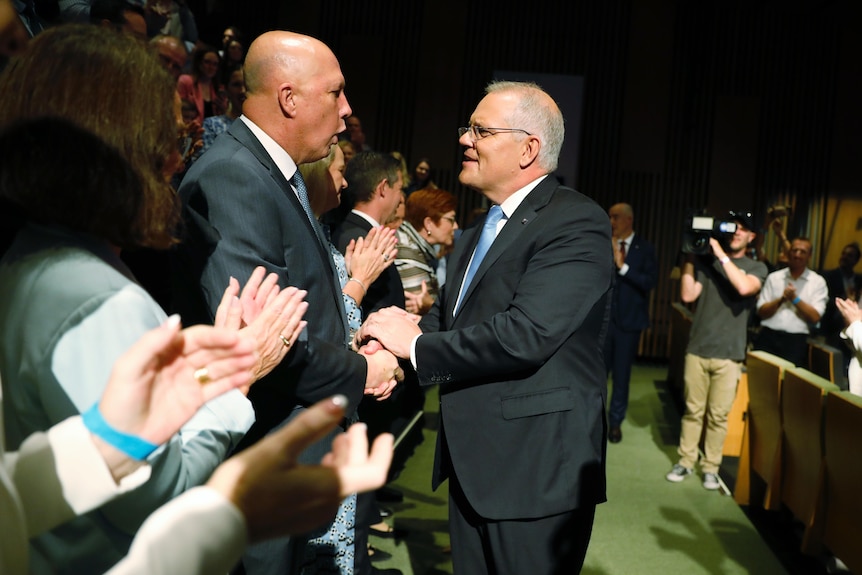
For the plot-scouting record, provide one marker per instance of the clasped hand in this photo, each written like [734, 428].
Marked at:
[390, 328]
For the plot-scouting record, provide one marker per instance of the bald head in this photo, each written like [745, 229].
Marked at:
[622, 220]
[278, 55]
[172, 53]
[295, 93]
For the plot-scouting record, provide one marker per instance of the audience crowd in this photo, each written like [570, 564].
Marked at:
[265, 431]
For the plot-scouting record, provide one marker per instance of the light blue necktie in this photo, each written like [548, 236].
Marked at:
[489, 233]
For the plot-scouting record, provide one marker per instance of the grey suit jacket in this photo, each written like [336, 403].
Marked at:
[520, 368]
[240, 212]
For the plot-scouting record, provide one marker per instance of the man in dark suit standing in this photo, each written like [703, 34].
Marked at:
[245, 205]
[515, 343]
[373, 193]
[634, 258]
[845, 283]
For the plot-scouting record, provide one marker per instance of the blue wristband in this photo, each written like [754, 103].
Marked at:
[131, 445]
[796, 300]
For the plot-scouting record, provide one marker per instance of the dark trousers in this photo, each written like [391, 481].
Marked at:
[621, 348]
[367, 514]
[791, 346]
[553, 545]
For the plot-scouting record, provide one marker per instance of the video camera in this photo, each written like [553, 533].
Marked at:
[699, 227]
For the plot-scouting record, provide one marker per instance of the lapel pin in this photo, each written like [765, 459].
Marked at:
[524, 221]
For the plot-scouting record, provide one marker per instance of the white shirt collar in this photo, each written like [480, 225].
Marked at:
[280, 157]
[512, 202]
[366, 217]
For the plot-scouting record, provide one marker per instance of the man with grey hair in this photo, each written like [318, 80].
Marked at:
[514, 342]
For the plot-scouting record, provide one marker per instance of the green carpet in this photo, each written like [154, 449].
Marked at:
[648, 526]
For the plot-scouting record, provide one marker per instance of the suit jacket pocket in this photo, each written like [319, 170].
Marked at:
[540, 403]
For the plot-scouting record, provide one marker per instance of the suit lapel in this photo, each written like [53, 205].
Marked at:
[244, 136]
[240, 131]
[515, 226]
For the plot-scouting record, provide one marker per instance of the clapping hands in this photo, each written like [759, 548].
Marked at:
[278, 496]
[849, 310]
[366, 258]
[272, 317]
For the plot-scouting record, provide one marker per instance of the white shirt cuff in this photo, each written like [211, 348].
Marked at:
[86, 480]
[413, 351]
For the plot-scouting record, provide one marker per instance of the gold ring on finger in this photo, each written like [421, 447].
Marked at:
[284, 340]
[202, 375]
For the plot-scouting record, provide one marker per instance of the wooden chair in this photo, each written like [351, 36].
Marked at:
[826, 361]
[842, 527]
[737, 419]
[803, 396]
[760, 460]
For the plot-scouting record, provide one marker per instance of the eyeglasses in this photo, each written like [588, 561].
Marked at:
[479, 132]
[450, 218]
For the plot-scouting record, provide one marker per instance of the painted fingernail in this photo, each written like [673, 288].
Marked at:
[340, 401]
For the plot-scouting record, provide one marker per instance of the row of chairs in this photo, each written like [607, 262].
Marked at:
[800, 451]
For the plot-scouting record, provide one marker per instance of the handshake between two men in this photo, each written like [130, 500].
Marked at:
[391, 329]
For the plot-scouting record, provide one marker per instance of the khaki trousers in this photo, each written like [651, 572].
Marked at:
[710, 388]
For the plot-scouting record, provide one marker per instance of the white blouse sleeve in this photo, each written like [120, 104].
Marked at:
[213, 537]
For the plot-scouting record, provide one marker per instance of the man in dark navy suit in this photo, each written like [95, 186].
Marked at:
[845, 283]
[514, 342]
[636, 277]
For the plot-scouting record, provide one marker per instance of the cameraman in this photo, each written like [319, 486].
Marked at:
[725, 284]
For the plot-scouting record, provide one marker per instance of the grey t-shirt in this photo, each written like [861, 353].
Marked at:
[720, 323]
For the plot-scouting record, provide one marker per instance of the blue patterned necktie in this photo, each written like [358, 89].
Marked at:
[302, 194]
[489, 233]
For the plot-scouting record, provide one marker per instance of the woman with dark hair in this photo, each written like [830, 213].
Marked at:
[231, 60]
[203, 85]
[429, 222]
[68, 305]
[421, 178]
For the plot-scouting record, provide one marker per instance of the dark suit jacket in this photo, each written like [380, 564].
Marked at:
[832, 321]
[631, 291]
[240, 212]
[387, 289]
[520, 367]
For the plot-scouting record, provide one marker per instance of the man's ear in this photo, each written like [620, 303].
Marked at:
[287, 99]
[530, 150]
[380, 188]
